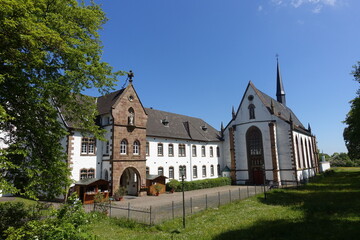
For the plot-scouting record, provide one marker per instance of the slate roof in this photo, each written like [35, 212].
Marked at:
[104, 103]
[179, 126]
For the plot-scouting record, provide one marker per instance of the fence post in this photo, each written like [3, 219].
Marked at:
[230, 195]
[206, 205]
[219, 198]
[128, 211]
[110, 208]
[191, 205]
[247, 190]
[150, 215]
[172, 209]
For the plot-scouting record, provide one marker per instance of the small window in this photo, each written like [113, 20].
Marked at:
[211, 152]
[217, 151]
[136, 148]
[171, 150]
[252, 111]
[147, 149]
[195, 172]
[182, 152]
[160, 149]
[147, 170]
[204, 171]
[218, 169]
[87, 173]
[123, 147]
[161, 171]
[212, 170]
[203, 152]
[194, 151]
[171, 172]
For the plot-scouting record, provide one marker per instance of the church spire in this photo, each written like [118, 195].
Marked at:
[280, 92]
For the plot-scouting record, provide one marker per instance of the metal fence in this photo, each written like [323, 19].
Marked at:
[158, 214]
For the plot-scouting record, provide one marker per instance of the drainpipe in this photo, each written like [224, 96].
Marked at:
[190, 154]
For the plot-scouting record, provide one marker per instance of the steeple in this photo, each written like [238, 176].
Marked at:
[280, 92]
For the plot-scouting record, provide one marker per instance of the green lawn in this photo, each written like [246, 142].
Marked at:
[326, 208]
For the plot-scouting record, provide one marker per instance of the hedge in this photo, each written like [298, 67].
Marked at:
[199, 184]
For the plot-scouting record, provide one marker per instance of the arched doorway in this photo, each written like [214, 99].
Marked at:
[130, 179]
[255, 155]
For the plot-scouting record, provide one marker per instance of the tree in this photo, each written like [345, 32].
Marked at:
[50, 51]
[352, 131]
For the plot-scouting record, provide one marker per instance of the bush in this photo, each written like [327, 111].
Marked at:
[199, 184]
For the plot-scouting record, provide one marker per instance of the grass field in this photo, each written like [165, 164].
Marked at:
[326, 208]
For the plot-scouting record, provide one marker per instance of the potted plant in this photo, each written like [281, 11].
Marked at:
[119, 193]
[173, 184]
[158, 188]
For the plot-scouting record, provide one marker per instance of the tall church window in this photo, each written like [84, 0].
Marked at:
[182, 152]
[171, 150]
[303, 153]
[106, 175]
[298, 152]
[194, 150]
[87, 145]
[136, 148]
[123, 147]
[160, 149]
[251, 111]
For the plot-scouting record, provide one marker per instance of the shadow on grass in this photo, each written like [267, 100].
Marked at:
[330, 206]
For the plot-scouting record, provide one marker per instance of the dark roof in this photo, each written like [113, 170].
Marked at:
[179, 126]
[104, 103]
[91, 181]
[153, 177]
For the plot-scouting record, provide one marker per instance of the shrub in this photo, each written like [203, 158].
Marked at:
[199, 184]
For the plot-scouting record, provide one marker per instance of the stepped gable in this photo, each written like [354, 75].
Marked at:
[171, 125]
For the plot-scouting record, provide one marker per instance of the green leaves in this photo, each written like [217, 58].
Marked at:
[50, 52]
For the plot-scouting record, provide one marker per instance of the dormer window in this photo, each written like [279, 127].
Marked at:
[165, 122]
[251, 111]
[204, 128]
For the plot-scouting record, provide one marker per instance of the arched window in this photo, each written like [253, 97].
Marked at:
[131, 117]
[136, 148]
[211, 151]
[171, 172]
[195, 171]
[298, 152]
[204, 171]
[212, 170]
[160, 149]
[87, 173]
[194, 150]
[123, 147]
[203, 152]
[303, 153]
[171, 150]
[182, 170]
[307, 153]
[251, 111]
[160, 171]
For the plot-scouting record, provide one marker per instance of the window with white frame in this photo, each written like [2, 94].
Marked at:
[182, 170]
[195, 171]
[136, 148]
[123, 147]
[171, 172]
[87, 173]
[211, 151]
[194, 150]
[171, 150]
[160, 149]
[160, 171]
[203, 151]
[212, 170]
[182, 152]
[204, 171]
[87, 145]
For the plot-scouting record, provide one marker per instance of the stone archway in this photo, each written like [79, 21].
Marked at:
[255, 153]
[130, 179]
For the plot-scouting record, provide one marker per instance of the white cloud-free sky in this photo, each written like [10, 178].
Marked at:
[197, 57]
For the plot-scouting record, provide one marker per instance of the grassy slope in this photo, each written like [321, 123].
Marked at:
[327, 208]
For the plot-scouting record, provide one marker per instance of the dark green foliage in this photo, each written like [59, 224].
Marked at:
[50, 51]
[199, 184]
[343, 160]
[352, 131]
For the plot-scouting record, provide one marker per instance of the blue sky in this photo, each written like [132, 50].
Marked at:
[196, 57]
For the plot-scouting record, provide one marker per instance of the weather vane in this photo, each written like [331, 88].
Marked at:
[130, 76]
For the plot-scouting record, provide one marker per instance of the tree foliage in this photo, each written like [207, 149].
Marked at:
[50, 52]
[352, 131]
